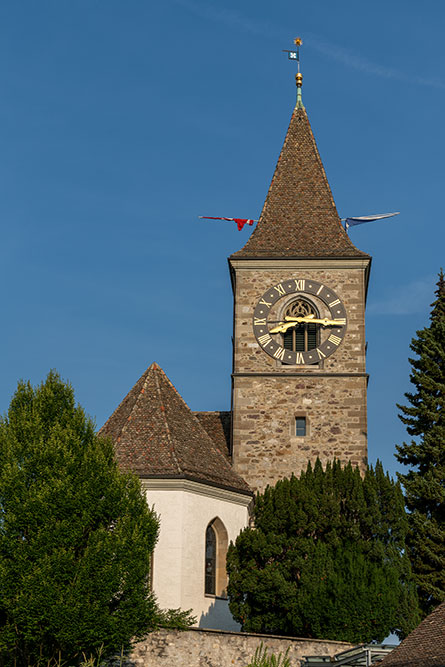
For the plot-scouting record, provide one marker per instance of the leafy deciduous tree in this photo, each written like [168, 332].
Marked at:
[325, 559]
[75, 536]
[424, 483]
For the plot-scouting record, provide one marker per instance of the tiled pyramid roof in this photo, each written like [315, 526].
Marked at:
[424, 647]
[156, 435]
[299, 218]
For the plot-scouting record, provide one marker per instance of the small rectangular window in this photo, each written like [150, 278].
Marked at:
[300, 426]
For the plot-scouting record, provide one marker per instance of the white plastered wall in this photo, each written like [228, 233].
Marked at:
[185, 509]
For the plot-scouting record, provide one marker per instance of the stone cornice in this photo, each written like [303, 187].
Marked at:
[303, 374]
[189, 486]
[301, 263]
[315, 263]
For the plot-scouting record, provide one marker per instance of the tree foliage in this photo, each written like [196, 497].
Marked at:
[75, 535]
[325, 558]
[424, 483]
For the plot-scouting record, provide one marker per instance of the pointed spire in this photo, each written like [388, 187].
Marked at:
[156, 435]
[299, 217]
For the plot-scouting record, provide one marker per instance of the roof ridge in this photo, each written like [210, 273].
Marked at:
[323, 172]
[279, 161]
[122, 404]
[136, 400]
[164, 417]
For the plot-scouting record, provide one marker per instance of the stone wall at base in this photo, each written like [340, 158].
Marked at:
[215, 648]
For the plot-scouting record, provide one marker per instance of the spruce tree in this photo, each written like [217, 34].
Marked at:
[424, 483]
[75, 536]
[325, 558]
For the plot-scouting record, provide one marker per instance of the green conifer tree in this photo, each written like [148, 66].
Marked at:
[326, 558]
[75, 536]
[424, 483]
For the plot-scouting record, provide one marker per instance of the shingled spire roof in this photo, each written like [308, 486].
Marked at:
[156, 435]
[299, 218]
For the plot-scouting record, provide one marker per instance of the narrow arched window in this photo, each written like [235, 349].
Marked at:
[210, 561]
[216, 543]
[302, 337]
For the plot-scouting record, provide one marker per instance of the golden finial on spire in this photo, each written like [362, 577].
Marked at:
[298, 41]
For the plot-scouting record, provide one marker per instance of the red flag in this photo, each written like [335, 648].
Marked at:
[239, 221]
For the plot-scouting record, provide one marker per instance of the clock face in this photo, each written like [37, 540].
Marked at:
[270, 332]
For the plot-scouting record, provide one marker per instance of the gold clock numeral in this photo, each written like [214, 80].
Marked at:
[340, 320]
[265, 303]
[320, 289]
[299, 285]
[279, 353]
[259, 321]
[320, 354]
[263, 340]
[334, 303]
[280, 289]
[334, 339]
[300, 358]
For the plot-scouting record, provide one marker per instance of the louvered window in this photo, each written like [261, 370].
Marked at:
[302, 337]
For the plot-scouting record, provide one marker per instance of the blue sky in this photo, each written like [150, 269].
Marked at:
[121, 122]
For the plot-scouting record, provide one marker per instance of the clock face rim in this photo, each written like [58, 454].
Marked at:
[308, 288]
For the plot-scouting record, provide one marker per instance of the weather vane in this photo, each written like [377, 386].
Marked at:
[295, 55]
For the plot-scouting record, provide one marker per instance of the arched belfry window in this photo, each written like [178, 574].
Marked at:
[216, 542]
[302, 337]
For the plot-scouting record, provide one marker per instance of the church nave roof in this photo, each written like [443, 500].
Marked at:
[156, 435]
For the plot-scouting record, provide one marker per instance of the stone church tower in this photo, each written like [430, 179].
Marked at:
[299, 377]
[298, 387]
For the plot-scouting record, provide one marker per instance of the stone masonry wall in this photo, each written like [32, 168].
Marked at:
[213, 648]
[268, 449]
[268, 395]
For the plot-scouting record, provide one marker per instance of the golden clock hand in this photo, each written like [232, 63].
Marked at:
[284, 326]
[292, 321]
[325, 321]
[301, 318]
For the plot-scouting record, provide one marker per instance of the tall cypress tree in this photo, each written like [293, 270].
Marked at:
[325, 559]
[424, 484]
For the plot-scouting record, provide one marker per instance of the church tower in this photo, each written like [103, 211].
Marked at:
[299, 377]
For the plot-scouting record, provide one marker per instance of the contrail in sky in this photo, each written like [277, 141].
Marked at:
[237, 20]
[342, 55]
[229, 17]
